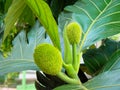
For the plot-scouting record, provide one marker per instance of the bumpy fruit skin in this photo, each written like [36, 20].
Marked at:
[48, 59]
[74, 32]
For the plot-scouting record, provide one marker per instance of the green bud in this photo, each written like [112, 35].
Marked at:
[48, 59]
[74, 32]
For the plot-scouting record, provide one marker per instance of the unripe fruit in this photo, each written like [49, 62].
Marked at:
[74, 32]
[48, 59]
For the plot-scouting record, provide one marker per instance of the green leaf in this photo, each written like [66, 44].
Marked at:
[98, 20]
[12, 16]
[68, 87]
[21, 56]
[7, 5]
[43, 12]
[27, 17]
[2, 4]
[63, 18]
[111, 68]
[96, 58]
[56, 7]
[114, 62]
[106, 81]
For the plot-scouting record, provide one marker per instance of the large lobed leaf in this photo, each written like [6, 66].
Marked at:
[114, 63]
[44, 14]
[21, 57]
[98, 18]
[96, 58]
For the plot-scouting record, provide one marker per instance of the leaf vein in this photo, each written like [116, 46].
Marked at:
[109, 15]
[105, 2]
[89, 28]
[91, 65]
[85, 12]
[95, 6]
[113, 6]
[114, 22]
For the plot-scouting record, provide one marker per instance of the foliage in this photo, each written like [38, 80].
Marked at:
[96, 58]
[21, 57]
[98, 21]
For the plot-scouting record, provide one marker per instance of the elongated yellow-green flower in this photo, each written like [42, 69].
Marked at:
[74, 32]
[48, 59]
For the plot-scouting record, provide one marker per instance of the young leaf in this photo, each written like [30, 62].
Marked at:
[27, 17]
[43, 12]
[7, 5]
[12, 16]
[98, 20]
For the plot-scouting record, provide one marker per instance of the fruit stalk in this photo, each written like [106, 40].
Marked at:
[67, 48]
[67, 79]
[74, 56]
[70, 70]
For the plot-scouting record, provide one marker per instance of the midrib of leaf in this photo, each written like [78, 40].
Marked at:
[95, 5]
[88, 30]
[107, 86]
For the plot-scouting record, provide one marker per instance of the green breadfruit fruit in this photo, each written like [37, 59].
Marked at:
[74, 32]
[48, 59]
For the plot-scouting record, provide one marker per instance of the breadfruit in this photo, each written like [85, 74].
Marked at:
[48, 58]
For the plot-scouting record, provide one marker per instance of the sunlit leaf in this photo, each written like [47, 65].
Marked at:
[7, 5]
[12, 16]
[43, 12]
[27, 17]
